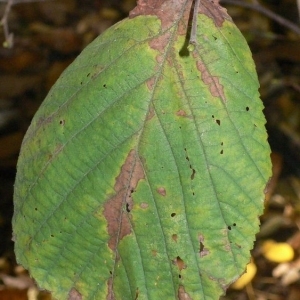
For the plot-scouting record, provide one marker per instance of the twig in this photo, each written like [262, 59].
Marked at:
[298, 5]
[193, 37]
[284, 22]
[9, 37]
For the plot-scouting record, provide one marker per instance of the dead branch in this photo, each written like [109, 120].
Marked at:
[263, 10]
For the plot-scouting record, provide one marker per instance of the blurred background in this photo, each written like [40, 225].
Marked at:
[48, 35]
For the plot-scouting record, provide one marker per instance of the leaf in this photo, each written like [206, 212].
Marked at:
[142, 174]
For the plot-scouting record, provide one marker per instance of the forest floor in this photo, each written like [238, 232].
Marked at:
[48, 35]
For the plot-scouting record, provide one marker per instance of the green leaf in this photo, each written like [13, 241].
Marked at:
[142, 173]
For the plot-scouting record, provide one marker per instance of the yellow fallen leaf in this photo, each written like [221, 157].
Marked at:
[246, 277]
[277, 252]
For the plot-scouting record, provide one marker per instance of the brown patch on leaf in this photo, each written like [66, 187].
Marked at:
[182, 294]
[179, 263]
[151, 113]
[203, 251]
[42, 120]
[162, 191]
[110, 293]
[213, 10]
[74, 295]
[160, 43]
[216, 89]
[168, 11]
[144, 205]
[117, 208]
[150, 83]
[181, 113]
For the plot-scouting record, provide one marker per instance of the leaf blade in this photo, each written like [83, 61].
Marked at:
[139, 180]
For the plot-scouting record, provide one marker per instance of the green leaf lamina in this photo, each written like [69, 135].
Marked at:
[142, 173]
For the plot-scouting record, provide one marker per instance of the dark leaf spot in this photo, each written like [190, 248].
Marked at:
[173, 215]
[174, 237]
[193, 173]
[136, 294]
[202, 250]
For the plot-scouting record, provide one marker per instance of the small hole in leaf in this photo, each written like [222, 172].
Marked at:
[62, 122]
[229, 227]
[213, 116]
[52, 235]
[234, 224]
[35, 209]
[136, 294]
[179, 276]
[221, 152]
[193, 174]
[218, 122]
[104, 85]
[247, 108]
[173, 215]
[127, 207]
